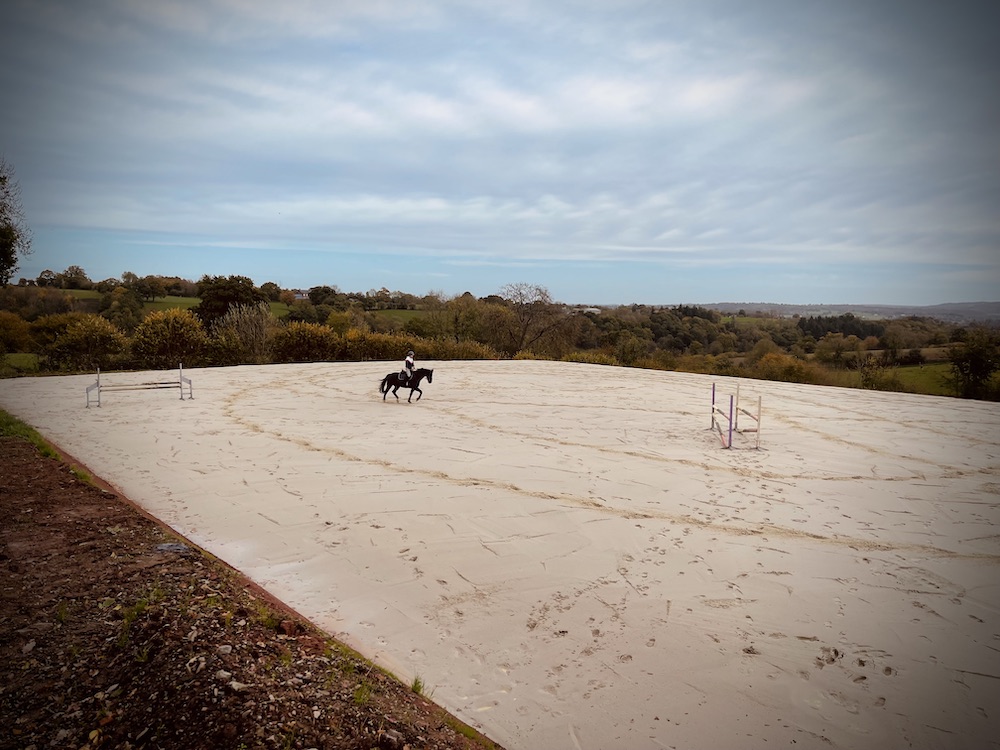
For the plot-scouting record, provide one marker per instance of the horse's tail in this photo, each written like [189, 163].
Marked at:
[384, 387]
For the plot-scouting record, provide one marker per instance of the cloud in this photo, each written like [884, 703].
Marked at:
[677, 133]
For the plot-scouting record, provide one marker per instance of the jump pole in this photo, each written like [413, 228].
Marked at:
[715, 422]
[754, 417]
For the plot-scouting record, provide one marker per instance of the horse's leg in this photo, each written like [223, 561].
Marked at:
[419, 394]
[395, 388]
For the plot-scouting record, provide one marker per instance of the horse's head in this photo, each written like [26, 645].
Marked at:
[430, 376]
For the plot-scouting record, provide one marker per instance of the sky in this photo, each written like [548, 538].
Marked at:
[613, 152]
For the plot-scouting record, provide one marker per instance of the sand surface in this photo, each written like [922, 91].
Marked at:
[567, 557]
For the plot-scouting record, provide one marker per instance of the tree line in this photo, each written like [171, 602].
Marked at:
[232, 323]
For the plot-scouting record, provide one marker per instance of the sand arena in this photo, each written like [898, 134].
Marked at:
[567, 558]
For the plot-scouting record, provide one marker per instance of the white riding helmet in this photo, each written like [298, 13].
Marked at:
[409, 354]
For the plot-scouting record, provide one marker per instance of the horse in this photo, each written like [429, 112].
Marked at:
[392, 381]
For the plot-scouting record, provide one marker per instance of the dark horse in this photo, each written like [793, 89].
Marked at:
[392, 380]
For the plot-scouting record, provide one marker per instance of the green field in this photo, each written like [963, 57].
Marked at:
[169, 303]
[930, 379]
[83, 293]
[278, 309]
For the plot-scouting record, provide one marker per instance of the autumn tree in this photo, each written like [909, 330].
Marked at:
[534, 317]
[465, 318]
[15, 236]
[15, 333]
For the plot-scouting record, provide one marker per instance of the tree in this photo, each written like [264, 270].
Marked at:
[130, 281]
[271, 290]
[974, 362]
[535, 316]
[122, 307]
[318, 294]
[107, 285]
[74, 277]
[151, 287]
[15, 236]
[219, 293]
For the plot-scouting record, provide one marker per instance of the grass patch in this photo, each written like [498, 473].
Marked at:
[362, 693]
[80, 474]
[83, 293]
[468, 732]
[169, 303]
[265, 615]
[11, 426]
[21, 362]
[931, 379]
[400, 316]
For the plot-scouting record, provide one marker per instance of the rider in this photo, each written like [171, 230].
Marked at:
[407, 372]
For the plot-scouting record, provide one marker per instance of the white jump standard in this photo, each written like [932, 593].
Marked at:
[179, 383]
[732, 419]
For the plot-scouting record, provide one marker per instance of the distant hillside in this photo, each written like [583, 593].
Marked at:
[961, 313]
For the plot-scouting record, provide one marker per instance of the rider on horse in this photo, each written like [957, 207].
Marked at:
[407, 371]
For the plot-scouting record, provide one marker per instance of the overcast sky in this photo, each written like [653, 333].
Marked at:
[612, 151]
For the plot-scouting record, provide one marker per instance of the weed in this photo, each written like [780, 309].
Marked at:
[266, 616]
[417, 686]
[362, 693]
[80, 474]
[62, 613]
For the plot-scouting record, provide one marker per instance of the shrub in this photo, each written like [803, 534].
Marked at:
[87, 344]
[785, 368]
[302, 342]
[15, 333]
[240, 336]
[591, 357]
[359, 345]
[445, 349]
[167, 338]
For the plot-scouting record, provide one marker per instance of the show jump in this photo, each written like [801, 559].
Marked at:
[95, 390]
[731, 418]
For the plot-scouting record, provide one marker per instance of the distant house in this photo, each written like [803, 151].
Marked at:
[300, 294]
